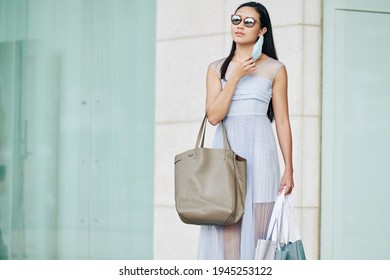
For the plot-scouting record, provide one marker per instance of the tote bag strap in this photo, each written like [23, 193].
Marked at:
[202, 135]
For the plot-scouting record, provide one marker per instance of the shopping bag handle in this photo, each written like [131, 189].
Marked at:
[288, 210]
[276, 218]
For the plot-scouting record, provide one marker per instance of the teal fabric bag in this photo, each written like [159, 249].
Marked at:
[293, 251]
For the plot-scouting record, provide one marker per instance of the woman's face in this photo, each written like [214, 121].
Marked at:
[242, 34]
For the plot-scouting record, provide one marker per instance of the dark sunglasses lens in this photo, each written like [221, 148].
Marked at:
[249, 22]
[236, 20]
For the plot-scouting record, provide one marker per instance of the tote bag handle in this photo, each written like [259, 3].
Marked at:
[202, 134]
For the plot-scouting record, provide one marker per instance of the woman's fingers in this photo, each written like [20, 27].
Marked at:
[287, 189]
[249, 64]
[245, 66]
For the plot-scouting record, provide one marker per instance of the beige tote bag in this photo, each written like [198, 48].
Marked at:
[210, 184]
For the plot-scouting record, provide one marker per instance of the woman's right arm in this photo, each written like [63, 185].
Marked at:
[218, 99]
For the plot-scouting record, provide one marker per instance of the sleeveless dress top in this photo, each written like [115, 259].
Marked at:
[251, 136]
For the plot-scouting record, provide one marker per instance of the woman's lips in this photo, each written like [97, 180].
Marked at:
[239, 33]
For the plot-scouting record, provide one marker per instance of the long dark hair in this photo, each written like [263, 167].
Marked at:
[268, 45]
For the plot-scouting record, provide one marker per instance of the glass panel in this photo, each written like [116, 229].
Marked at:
[76, 129]
[355, 129]
[361, 136]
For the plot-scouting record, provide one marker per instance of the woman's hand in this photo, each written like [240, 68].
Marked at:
[243, 67]
[286, 183]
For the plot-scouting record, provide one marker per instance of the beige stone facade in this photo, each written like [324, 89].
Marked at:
[190, 35]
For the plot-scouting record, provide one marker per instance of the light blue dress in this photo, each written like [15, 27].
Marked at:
[251, 136]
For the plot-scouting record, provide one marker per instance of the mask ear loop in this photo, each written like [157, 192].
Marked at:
[257, 48]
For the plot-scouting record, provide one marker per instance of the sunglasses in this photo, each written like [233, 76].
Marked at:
[248, 21]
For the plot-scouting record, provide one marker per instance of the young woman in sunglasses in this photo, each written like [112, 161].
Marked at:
[248, 95]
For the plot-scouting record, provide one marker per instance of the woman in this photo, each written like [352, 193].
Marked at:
[248, 95]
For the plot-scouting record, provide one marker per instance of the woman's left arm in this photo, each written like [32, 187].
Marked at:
[283, 129]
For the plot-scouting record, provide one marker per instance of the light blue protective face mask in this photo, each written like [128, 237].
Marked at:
[257, 48]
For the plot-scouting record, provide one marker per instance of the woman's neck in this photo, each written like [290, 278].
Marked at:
[243, 51]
